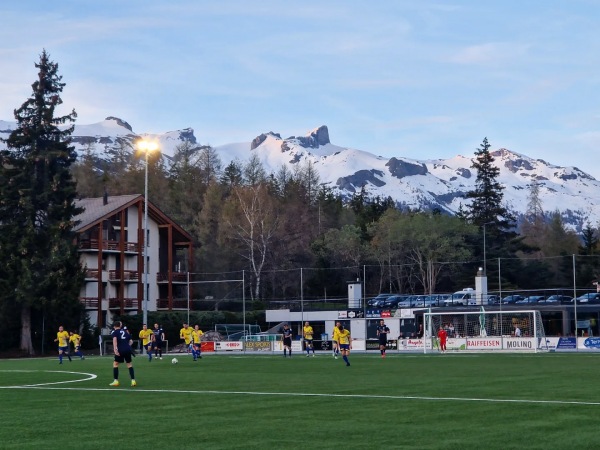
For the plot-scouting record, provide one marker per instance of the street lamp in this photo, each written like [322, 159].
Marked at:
[484, 257]
[146, 147]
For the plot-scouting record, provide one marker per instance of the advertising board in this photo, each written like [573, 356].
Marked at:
[229, 346]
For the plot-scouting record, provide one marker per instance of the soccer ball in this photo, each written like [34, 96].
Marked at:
[174, 361]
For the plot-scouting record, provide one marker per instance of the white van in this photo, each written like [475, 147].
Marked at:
[462, 298]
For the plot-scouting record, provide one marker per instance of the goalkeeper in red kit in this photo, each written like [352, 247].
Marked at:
[442, 336]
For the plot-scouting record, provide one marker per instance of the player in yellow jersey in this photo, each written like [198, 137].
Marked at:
[62, 337]
[335, 340]
[196, 342]
[147, 336]
[75, 339]
[307, 334]
[186, 334]
[344, 342]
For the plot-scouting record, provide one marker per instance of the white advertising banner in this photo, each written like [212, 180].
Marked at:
[296, 346]
[411, 344]
[484, 343]
[588, 343]
[456, 344]
[229, 346]
[359, 344]
[523, 343]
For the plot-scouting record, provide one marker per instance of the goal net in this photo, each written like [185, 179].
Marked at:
[485, 331]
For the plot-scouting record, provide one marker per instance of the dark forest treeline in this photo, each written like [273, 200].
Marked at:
[272, 224]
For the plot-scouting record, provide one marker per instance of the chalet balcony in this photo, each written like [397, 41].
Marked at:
[93, 274]
[93, 245]
[177, 277]
[89, 302]
[128, 303]
[128, 275]
[178, 303]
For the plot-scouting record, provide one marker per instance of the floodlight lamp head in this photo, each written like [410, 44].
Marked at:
[147, 146]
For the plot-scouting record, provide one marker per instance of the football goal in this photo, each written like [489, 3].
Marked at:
[520, 331]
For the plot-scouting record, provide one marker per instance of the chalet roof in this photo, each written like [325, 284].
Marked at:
[95, 210]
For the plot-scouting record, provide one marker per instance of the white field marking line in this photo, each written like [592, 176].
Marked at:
[300, 394]
[90, 376]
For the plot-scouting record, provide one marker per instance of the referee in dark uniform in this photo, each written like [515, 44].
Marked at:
[287, 339]
[382, 333]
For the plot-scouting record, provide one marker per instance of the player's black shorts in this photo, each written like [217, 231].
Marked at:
[287, 342]
[382, 341]
[157, 344]
[124, 356]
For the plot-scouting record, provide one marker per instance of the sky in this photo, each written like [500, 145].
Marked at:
[416, 79]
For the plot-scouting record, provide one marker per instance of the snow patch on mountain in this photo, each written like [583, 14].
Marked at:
[424, 184]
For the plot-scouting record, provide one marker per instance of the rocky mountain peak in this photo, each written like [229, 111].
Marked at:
[262, 138]
[314, 139]
[120, 122]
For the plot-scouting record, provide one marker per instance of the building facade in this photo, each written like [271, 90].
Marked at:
[110, 238]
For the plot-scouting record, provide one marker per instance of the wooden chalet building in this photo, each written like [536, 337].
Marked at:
[110, 237]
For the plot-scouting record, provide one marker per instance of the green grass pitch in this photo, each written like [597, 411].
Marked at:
[452, 401]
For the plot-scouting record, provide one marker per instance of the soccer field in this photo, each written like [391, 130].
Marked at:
[451, 401]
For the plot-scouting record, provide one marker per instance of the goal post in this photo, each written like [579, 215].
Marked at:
[509, 331]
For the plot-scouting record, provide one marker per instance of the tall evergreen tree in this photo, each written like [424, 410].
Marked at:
[40, 263]
[486, 205]
[232, 174]
[589, 237]
[534, 222]
[487, 210]
[185, 185]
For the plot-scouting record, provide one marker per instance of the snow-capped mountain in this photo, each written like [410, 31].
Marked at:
[432, 183]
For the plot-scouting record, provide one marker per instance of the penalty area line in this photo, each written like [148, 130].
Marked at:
[305, 394]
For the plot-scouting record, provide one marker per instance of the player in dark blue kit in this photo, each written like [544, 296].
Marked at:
[382, 333]
[159, 338]
[122, 346]
[287, 339]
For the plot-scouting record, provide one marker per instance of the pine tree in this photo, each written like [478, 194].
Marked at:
[486, 205]
[486, 208]
[232, 174]
[40, 262]
[534, 222]
[589, 236]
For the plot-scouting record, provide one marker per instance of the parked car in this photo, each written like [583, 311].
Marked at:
[492, 300]
[531, 299]
[511, 299]
[557, 299]
[435, 300]
[420, 301]
[461, 298]
[590, 297]
[408, 302]
[392, 301]
[375, 301]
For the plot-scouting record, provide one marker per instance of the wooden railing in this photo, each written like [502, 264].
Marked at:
[92, 273]
[128, 275]
[128, 303]
[89, 302]
[92, 244]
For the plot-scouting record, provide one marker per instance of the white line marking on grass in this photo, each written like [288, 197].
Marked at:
[304, 394]
[89, 376]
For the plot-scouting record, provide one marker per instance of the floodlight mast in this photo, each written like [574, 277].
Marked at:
[146, 147]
